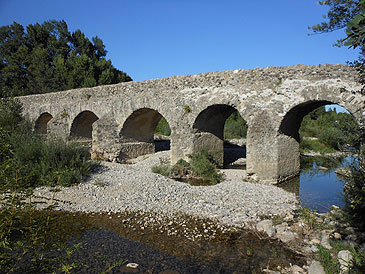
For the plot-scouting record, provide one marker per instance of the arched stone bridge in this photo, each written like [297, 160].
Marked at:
[121, 118]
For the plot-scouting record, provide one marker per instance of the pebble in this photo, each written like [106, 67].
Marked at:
[134, 188]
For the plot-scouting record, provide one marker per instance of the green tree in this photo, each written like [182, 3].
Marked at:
[47, 57]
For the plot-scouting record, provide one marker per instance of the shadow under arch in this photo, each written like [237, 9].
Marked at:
[137, 134]
[208, 130]
[82, 125]
[41, 124]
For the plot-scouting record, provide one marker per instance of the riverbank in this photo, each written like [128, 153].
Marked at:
[118, 188]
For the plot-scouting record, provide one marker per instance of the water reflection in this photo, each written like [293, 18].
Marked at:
[318, 187]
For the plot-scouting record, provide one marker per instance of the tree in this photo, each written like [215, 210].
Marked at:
[349, 15]
[47, 57]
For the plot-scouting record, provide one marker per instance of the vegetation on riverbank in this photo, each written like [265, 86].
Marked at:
[328, 131]
[28, 161]
[200, 167]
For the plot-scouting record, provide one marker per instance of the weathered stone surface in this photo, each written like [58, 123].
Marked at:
[264, 224]
[316, 268]
[344, 257]
[272, 100]
[325, 241]
[287, 236]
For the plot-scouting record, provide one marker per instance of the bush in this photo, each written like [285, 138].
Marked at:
[181, 169]
[202, 165]
[162, 169]
[331, 136]
[355, 189]
[32, 159]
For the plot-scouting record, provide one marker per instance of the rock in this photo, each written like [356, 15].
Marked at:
[315, 241]
[264, 224]
[270, 231]
[345, 258]
[132, 265]
[334, 207]
[351, 237]
[287, 236]
[350, 230]
[337, 236]
[325, 242]
[281, 229]
[316, 268]
[270, 271]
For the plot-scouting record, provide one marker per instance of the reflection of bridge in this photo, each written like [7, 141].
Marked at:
[121, 118]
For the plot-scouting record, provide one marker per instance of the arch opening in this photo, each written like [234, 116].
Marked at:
[313, 127]
[145, 131]
[41, 124]
[82, 125]
[221, 131]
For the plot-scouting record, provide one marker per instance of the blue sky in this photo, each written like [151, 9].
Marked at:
[159, 38]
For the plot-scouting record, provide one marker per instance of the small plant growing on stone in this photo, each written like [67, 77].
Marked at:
[187, 109]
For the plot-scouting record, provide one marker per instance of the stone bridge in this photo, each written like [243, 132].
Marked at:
[121, 119]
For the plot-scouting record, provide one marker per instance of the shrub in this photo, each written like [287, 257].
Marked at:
[37, 161]
[202, 165]
[355, 188]
[181, 169]
[162, 169]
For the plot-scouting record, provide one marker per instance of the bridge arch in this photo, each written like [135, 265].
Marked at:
[82, 125]
[137, 133]
[41, 124]
[209, 133]
[289, 137]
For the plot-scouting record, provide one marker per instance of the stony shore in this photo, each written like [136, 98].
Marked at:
[155, 202]
[118, 188]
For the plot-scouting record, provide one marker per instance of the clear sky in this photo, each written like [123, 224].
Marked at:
[159, 38]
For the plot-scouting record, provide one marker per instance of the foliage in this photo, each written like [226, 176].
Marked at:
[355, 189]
[201, 166]
[37, 161]
[349, 15]
[307, 145]
[163, 169]
[235, 127]
[339, 14]
[163, 128]
[355, 27]
[48, 57]
[332, 131]
[330, 264]
[181, 169]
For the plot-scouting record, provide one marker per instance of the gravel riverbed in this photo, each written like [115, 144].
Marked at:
[134, 188]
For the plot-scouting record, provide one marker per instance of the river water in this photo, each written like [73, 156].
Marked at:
[318, 186]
